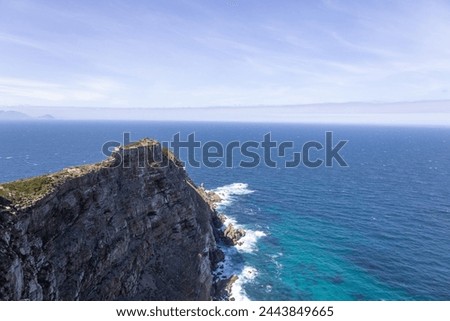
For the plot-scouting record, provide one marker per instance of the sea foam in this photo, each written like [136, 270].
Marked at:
[229, 194]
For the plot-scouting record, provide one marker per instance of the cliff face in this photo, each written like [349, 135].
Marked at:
[127, 228]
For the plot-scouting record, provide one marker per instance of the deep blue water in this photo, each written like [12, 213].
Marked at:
[376, 230]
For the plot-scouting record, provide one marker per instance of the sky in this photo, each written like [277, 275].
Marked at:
[193, 53]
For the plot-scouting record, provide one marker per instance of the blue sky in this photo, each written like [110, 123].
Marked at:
[222, 53]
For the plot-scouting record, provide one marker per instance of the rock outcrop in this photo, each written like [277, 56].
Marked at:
[133, 227]
[232, 235]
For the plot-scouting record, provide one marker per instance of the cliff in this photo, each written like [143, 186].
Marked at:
[133, 227]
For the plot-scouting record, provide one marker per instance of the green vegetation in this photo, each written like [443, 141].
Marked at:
[32, 188]
[27, 191]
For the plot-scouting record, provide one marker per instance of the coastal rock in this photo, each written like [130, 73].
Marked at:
[222, 217]
[229, 236]
[128, 228]
[223, 288]
[214, 198]
[217, 256]
[232, 235]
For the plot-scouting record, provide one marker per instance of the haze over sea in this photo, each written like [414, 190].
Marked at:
[376, 230]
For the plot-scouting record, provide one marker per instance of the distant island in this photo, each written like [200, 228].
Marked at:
[16, 115]
[46, 116]
[422, 113]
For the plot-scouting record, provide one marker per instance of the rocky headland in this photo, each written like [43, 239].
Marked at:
[133, 227]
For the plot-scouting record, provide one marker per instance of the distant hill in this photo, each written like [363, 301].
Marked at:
[16, 115]
[13, 115]
[46, 116]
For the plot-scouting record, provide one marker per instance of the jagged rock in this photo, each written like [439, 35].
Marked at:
[217, 256]
[222, 218]
[213, 197]
[223, 288]
[232, 235]
[127, 228]
[217, 222]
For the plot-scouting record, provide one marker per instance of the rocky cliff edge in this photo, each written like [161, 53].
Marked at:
[133, 227]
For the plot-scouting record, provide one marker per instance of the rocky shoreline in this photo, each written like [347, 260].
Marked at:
[226, 235]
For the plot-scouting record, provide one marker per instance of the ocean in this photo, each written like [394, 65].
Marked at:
[378, 229]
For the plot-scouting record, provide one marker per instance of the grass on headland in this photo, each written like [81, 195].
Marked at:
[27, 189]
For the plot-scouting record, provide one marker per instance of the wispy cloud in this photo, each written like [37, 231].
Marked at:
[21, 41]
[27, 91]
[197, 53]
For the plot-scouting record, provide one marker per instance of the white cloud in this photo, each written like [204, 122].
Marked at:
[207, 53]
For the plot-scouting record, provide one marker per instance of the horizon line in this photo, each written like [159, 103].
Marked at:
[238, 106]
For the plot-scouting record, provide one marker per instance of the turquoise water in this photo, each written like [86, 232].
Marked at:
[376, 230]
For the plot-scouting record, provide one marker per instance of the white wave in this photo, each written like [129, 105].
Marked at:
[229, 220]
[227, 193]
[278, 265]
[244, 273]
[247, 275]
[249, 241]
